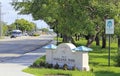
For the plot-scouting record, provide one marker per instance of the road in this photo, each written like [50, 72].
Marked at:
[18, 53]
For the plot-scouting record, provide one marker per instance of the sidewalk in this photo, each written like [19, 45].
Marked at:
[14, 67]
[8, 69]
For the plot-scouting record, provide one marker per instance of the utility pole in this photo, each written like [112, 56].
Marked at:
[0, 22]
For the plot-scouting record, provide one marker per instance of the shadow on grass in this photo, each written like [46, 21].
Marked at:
[94, 63]
[99, 64]
[59, 74]
[106, 73]
[104, 56]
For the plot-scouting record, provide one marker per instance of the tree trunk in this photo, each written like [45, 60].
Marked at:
[68, 39]
[118, 56]
[97, 40]
[103, 34]
[76, 37]
[72, 40]
[65, 38]
[118, 45]
[89, 42]
[90, 39]
[103, 41]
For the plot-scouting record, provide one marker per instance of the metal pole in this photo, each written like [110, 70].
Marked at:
[109, 52]
[57, 37]
[0, 22]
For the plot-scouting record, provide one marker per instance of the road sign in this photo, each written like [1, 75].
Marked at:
[109, 26]
[109, 30]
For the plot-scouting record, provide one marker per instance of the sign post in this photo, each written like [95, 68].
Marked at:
[109, 31]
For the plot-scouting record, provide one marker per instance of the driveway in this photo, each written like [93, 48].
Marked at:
[13, 60]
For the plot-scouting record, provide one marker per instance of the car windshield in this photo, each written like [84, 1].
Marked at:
[16, 32]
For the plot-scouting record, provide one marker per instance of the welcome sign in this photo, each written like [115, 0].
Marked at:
[64, 54]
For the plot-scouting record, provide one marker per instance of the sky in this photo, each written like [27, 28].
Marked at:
[9, 15]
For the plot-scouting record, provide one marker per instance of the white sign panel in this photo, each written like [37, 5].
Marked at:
[110, 26]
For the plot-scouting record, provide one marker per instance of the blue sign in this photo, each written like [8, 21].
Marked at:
[110, 26]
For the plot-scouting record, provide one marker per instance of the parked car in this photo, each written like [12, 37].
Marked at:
[16, 33]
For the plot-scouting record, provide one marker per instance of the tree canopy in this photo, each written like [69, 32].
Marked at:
[24, 25]
[69, 17]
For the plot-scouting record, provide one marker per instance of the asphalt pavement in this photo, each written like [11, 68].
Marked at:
[15, 65]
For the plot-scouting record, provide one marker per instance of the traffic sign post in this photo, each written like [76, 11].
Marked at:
[110, 26]
[109, 30]
[109, 52]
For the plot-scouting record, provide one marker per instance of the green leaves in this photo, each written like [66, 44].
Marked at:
[72, 16]
[24, 25]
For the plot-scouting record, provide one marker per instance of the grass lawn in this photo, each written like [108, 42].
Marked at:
[98, 61]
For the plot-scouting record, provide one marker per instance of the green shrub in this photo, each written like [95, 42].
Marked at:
[47, 65]
[42, 63]
[50, 66]
[39, 62]
[56, 66]
[35, 34]
[35, 65]
[65, 66]
[74, 68]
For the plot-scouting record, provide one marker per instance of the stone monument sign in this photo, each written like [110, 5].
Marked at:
[65, 54]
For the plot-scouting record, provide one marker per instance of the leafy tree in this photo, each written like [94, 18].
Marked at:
[11, 27]
[69, 17]
[24, 25]
[99, 11]
[4, 28]
[65, 16]
[44, 29]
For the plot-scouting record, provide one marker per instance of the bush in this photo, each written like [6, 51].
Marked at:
[74, 68]
[35, 34]
[56, 66]
[50, 66]
[42, 64]
[65, 66]
[47, 65]
[39, 62]
[35, 65]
